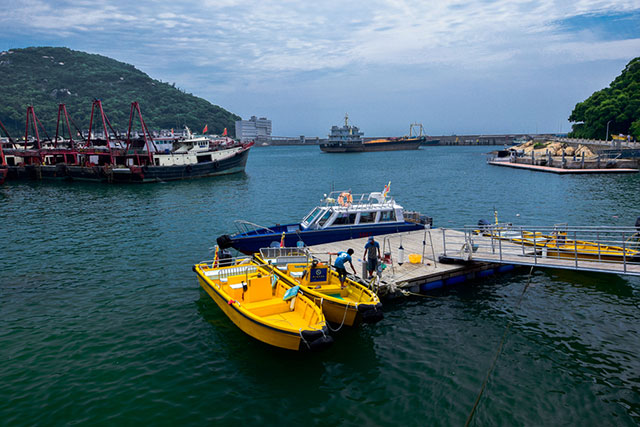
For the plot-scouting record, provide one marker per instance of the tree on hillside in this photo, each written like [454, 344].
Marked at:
[47, 76]
[618, 105]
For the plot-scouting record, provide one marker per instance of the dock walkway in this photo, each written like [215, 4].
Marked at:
[561, 171]
[452, 256]
[426, 275]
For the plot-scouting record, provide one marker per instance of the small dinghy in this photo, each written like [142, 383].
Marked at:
[263, 305]
[348, 305]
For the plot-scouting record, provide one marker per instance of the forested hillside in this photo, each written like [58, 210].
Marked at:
[618, 105]
[47, 76]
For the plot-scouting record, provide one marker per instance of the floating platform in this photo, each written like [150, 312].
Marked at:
[562, 171]
[426, 275]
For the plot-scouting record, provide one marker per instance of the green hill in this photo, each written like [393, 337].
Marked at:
[47, 76]
[618, 104]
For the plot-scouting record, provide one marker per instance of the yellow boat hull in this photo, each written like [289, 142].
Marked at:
[351, 305]
[267, 318]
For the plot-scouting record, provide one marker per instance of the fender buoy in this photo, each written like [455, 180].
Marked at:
[345, 199]
[216, 165]
[189, 168]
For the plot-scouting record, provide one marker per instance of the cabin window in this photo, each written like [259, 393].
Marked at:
[367, 217]
[323, 219]
[387, 216]
[345, 218]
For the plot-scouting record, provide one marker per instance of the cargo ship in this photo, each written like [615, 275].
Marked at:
[348, 139]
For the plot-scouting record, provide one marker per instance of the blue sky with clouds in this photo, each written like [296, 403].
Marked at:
[474, 66]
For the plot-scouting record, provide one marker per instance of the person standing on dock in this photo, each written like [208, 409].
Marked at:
[372, 254]
[339, 264]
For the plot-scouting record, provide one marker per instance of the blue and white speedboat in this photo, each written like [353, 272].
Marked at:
[340, 216]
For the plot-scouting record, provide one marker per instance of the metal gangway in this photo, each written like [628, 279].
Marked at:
[598, 249]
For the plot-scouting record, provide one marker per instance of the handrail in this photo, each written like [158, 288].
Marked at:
[607, 249]
[243, 226]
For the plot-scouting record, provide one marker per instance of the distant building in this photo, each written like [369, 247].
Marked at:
[254, 129]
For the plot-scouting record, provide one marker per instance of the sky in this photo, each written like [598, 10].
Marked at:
[457, 67]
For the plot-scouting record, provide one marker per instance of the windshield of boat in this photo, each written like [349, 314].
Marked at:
[311, 217]
[323, 219]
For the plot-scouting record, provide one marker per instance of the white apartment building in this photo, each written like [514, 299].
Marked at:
[254, 129]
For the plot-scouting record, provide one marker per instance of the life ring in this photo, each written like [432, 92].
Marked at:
[345, 199]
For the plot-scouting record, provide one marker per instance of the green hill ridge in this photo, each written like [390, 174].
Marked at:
[48, 76]
[618, 104]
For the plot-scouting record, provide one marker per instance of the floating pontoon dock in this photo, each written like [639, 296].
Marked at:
[467, 254]
[423, 276]
[561, 171]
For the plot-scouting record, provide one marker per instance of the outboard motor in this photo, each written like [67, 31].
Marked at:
[225, 259]
[224, 241]
[484, 225]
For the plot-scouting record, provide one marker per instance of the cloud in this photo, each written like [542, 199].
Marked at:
[232, 50]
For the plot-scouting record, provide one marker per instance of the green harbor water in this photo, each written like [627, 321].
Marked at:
[102, 320]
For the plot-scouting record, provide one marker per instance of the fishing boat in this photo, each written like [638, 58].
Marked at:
[142, 161]
[347, 305]
[349, 139]
[263, 305]
[341, 215]
[108, 157]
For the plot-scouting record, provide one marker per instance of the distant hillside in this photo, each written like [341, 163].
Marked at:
[619, 103]
[47, 76]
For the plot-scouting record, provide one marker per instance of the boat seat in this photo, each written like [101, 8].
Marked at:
[268, 307]
[259, 289]
[284, 260]
[231, 271]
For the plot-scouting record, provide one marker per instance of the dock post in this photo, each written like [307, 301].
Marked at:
[575, 246]
[444, 243]
[624, 253]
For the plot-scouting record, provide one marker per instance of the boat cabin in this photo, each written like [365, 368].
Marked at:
[342, 209]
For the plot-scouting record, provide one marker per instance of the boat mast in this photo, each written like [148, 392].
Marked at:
[105, 121]
[6, 132]
[62, 108]
[135, 106]
[31, 117]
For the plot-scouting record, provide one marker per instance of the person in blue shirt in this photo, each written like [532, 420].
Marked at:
[372, 254]
[338, 264]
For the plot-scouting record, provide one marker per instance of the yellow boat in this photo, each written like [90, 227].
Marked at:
[252, 296]
[349, 306]
[556, 243]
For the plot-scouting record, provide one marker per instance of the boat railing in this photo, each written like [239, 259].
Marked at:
[224, 268]
[250, 227]
[609, 249]
[339, 198]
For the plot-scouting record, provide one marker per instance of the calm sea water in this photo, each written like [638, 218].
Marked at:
[102, 320]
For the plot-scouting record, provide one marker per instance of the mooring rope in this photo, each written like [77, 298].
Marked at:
[346, 308]
[498, 351]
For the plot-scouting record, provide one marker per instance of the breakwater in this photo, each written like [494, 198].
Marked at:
[476, 139]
